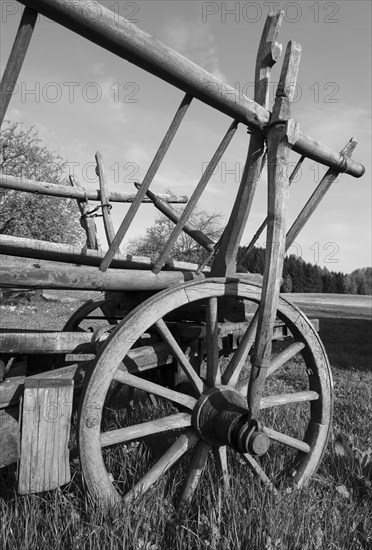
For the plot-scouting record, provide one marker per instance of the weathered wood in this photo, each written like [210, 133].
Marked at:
[44, 250]
[124, 39]
[16, 58]
[55, 190]
[26, 273]
[268, 54]
[87, 222]
[138, 431]
[46, 417]
[188, 228]
[105, 204]
[30, 342]
[209, 171]
[259, 231]
[213, 371]
[9, 436]
[198, 460]
[287, 398]
[281, 358]
[185, 442]
[287, 440]
[281, 136]
[317, 196]
[150, 174]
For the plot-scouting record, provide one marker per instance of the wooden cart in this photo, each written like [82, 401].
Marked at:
[231, 371]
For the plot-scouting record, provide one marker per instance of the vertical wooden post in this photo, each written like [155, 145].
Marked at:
[269, 52]
[106, 206]
[281, 136]
[46, 417]
[16, 58]
[87, 223]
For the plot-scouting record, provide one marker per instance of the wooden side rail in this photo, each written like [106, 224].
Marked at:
[124, 39]
[79, 193]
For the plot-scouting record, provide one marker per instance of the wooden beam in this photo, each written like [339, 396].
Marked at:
[105, 201]
[16, 58]
[87, 222]
[55, 190]
[124, 39]
[26, 273]
[44, 250]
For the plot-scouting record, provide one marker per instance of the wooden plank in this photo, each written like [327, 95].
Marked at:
[281, 136]
[65, 191]
[163, 256]
[44, 250]
[9, 436]
[16, 58]
[123, 38]
[46, 416]
[26, 273]
[150, 174]
[21, 342]
[105, 201]
[269, 52]
[317, 196]
[188, 228]
[87, 222]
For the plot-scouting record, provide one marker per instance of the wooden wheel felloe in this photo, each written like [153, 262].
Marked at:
[212, 414]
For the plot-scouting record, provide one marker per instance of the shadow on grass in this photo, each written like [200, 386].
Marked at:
[348, 342]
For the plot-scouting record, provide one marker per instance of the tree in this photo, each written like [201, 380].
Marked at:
[185, 249]
[22, 154]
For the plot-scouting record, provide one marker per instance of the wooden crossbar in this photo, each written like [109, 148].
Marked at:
[124, 39]
[164, 255]
[160, 154]
[16, 58]
[79, 193]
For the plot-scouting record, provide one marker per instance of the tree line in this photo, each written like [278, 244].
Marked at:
[301, 276]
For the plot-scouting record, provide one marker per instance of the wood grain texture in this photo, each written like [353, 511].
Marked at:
[105, 201]
[46, 417]
[16, 58]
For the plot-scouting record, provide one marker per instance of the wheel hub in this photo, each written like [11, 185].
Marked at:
[221, 417]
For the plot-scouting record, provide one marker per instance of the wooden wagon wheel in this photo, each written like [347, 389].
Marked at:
[213, 415]
[81, 315]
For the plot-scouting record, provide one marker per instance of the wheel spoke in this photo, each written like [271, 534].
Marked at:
[185, 442]
[236, 364]
[284, 356]
[180, 356]
[220, 457]
[287, 440]
[121, 435]
[259, 472]
[213, 371]
[150, 387]
[197, 463]
[286, 398]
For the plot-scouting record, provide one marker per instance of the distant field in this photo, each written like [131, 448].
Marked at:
[347, 306]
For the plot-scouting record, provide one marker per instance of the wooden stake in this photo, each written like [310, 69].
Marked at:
[87, 223]
[105, 203]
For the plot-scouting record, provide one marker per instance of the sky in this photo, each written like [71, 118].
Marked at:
[83, 99]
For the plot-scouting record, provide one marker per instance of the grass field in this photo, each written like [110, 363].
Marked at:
[333, 512]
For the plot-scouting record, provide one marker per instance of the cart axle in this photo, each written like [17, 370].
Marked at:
[221, 417]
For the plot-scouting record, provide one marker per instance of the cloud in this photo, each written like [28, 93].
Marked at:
[194, 40]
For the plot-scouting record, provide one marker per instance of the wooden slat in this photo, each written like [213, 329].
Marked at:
[188, 228]
[52, 189]
[268, 54]
[87, 223]
[16, 58]
[154, 166]
[195, 469]
[317, 196]
[209, 171]
[46, 417]
[288, 398]
[287, 440]
[105, 204]
[213, 370]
